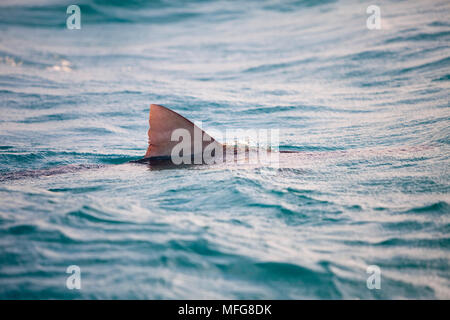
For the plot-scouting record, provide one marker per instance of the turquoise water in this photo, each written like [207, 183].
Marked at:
[368, 111]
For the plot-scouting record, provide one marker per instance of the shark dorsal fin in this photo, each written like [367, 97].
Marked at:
[163, 122]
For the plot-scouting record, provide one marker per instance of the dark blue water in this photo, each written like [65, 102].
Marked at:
[367, 109]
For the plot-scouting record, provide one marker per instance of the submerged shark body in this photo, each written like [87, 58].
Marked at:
[162, 143]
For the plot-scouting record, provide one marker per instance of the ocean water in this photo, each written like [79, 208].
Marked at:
[368, 111]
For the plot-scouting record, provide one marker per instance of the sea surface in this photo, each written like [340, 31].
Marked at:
[368, 111]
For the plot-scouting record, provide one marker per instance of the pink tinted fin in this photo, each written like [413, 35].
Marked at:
[163, 122]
